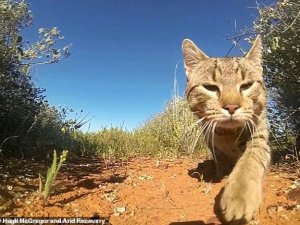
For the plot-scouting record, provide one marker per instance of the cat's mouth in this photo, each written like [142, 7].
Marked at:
[226, 120]
[231, 121]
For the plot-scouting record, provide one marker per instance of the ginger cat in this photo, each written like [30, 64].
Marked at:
[229, 98]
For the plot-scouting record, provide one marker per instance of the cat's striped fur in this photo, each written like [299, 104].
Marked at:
[228, 96]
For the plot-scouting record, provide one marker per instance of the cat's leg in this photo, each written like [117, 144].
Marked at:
[242, 194]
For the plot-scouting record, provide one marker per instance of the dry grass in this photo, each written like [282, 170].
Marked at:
[171, 133]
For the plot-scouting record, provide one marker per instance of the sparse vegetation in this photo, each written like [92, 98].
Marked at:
[171, 133]
[51, 174]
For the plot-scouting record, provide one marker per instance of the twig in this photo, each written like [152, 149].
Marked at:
[5, 140]
[236, 39]
[292, 22]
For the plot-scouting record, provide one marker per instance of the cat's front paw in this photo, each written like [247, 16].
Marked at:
[240, 201]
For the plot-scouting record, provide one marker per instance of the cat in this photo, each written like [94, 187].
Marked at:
[228, 96]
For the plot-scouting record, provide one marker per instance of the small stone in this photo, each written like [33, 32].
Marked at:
[271, 209]
[254, 222]
[145, 177]
[110, 196]
[279, 209]
[9, 187]
[132, 214]
[119, 210]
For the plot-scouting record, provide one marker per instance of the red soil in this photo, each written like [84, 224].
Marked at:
[139, 191]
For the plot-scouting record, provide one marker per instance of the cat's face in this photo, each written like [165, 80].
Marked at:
[227, 91]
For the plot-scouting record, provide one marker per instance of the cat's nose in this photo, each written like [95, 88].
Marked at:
[231, 108]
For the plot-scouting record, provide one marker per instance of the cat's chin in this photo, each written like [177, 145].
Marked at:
[230, 123]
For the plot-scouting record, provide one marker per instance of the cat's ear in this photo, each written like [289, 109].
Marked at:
[192, 55]
[255, 52]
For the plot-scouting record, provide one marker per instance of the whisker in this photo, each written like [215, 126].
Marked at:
[203, 129]
[256, 130]
[251, 133]
[271, 131]
[196, 123]
[207, 131]
[240, 133]
[256, 117]
[212, 142]
[196, 132]
[258, 136]
[205, 126]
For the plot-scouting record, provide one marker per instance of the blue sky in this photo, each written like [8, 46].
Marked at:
[124, 52]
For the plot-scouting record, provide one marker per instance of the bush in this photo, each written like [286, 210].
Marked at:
[279, 25]
[175, 131]
[25, 119]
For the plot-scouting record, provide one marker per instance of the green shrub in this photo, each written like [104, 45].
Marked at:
[279, 25]
[22, 105]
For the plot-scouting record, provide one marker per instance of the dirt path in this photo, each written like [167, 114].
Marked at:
[137, 192]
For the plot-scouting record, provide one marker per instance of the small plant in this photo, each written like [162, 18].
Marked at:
[51, 174]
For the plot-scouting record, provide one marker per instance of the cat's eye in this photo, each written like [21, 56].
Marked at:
[246, 86]
[211, 87]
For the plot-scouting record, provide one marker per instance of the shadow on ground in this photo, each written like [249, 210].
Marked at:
[205, 171]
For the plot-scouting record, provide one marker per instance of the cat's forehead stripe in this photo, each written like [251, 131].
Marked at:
[216, 69]
[228, 66]
[239, 70]
[225, 66]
